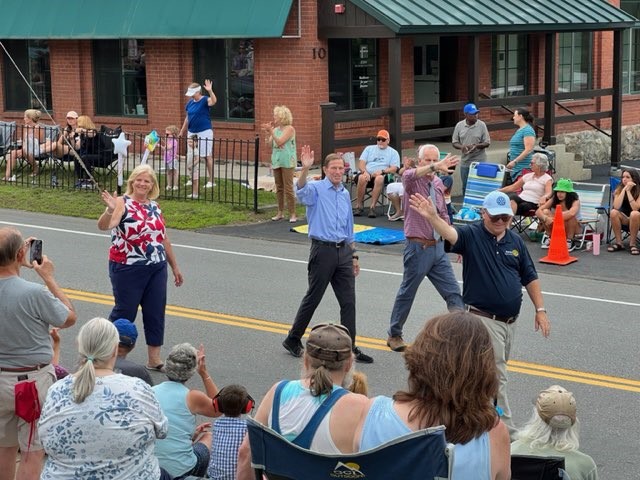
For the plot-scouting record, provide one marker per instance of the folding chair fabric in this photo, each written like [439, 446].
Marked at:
[421, 455]
[483, 179]
[7, 136]
[531, 467]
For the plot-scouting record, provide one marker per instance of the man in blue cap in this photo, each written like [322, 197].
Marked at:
[472, 137]
[128, 336]
[496, 266]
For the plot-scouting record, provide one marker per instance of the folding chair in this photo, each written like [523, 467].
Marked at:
[382, 198]
[614, 181]
[423, 455]
[483, 179]
[530, 467]
[7, 136]
[529, 221]
[593, 205]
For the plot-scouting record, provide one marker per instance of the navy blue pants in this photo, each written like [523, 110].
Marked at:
[144, 286]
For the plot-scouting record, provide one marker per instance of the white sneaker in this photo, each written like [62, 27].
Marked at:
[193, 196]
[169, 187]
[12, 178]
[176, 187]
[545, 243]
[210, 185]
[188, 184]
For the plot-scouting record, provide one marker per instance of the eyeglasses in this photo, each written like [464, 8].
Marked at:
[496, 218]
[381, 139]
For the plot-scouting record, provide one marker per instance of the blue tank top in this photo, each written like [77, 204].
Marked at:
[470, 460]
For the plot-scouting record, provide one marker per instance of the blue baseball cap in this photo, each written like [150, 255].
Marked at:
[471, 109]
[497, 203]
[127, 331]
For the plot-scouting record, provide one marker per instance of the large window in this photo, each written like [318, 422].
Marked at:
[120, 77]
[229, 65]
[574, 62]
[32, 59]
[353, 73]
[508, 65]
[631, 58]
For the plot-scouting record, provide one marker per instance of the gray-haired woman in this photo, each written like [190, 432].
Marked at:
[99, 424]
[534, 187]
[186, 449]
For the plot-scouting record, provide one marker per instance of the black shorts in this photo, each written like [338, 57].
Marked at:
[388, 178]
[523, 207]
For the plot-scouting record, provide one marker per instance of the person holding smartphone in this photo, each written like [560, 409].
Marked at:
[27, 313]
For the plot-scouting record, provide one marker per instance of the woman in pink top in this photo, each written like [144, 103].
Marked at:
[535, 187]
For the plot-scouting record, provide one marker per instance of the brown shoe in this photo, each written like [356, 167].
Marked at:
[396, 344]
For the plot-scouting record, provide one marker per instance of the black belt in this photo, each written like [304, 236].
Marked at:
[507, 320]
[329, 244]
[24, 369]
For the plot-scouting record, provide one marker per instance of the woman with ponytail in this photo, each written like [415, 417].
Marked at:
[99, 424]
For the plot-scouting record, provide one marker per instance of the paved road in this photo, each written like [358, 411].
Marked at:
[241, 293]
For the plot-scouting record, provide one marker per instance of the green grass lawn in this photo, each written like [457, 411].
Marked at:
[183, 214]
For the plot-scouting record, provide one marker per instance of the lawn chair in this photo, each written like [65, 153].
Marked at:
[593, 209]
[530, 467]
[7, 136]
[423, 455]
[483, 179]
[614, 181]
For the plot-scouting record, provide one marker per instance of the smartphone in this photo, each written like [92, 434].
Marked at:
[35, 252]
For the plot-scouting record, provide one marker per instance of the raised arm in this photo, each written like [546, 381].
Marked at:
[424, 206]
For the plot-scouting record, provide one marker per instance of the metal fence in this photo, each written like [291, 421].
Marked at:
[39, 156]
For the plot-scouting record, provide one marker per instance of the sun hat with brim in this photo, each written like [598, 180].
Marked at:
[564, 185]
[329, 342]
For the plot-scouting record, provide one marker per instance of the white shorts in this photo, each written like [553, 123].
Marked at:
[205, 142]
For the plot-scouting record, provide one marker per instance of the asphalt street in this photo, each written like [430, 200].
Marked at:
[243, 286]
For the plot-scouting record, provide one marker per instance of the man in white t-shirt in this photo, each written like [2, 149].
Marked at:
[377, 163]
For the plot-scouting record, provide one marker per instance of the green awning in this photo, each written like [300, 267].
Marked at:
[141, 19]
[495, 16]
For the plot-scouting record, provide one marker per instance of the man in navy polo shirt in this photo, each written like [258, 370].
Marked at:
[496, 266]
[333, 258]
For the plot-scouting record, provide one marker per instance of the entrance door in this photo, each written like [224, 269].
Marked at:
[426, 82]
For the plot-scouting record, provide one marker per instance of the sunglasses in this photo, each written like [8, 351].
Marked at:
[381, 139]
[496, 218]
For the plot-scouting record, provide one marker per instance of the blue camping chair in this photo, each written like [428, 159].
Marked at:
[422, 455]
[483, 179]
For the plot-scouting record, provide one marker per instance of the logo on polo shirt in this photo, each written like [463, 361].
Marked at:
[512, 253]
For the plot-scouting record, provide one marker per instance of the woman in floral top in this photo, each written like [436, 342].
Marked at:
[99, 424]
[138, 257]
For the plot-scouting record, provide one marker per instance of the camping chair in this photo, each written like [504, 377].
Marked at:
[483, 179]
[530, 467]
[593, 205]
[382, 198]
[7, 136]
[529, 221]
[423, 455]
[614, 181]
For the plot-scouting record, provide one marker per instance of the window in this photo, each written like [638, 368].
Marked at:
[229, 65]
[353, 73]
[120, 77]
[32, 59]
[509, 66]
[574, 62]
[631, 55]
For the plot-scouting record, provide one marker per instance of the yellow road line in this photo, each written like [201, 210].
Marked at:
[517, 366]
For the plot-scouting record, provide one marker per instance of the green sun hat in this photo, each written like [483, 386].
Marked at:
[564, 185]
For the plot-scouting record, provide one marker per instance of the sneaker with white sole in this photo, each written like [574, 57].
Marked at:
[169, 187]
[188, 184]
[193, 196]
[210, 185]
[545, 243]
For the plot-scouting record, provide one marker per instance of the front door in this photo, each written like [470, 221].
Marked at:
[426, 82]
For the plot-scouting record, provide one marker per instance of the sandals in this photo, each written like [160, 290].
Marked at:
[277, 218]
[634, 251]
[156, 368]
[616, 247]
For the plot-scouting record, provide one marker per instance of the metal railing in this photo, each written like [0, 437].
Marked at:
[40, 161]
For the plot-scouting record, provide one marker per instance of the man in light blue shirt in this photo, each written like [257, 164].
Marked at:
[333, 256]
[377, 163]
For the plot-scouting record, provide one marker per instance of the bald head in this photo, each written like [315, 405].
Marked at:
[10, 244]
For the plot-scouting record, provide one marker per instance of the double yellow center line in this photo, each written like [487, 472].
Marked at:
[527, 368]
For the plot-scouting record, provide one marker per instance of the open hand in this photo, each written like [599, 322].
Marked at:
[307, 156]
[424, 206]
[109, 200]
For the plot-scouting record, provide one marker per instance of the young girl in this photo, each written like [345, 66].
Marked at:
[565, 196]
[34, 142]
[171, 156]
[625, 210]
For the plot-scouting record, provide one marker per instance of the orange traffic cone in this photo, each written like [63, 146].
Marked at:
[558, 250]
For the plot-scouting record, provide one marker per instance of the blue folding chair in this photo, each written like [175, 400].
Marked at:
[421, 455]
[483, 179]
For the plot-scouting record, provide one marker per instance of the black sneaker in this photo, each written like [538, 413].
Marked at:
[293, 346]
[362, 357]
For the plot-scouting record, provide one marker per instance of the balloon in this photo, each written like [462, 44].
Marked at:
[151, 140]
